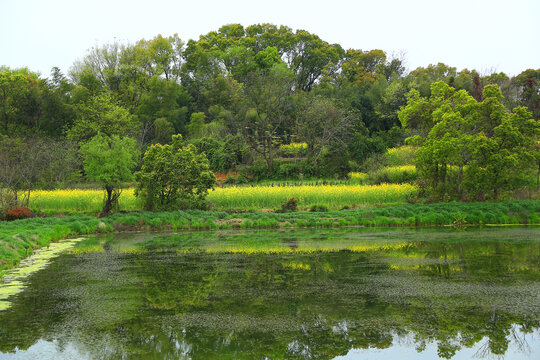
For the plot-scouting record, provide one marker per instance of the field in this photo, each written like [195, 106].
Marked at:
[229, 198]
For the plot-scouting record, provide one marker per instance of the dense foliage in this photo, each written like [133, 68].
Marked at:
[469, 148]
[174, 176]
[109, 161]
[244, 96]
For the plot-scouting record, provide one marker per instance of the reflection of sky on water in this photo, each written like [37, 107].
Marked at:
[525, 347]
[522, 347]
[46, 350]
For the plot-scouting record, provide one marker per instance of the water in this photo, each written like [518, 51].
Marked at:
[304, 294]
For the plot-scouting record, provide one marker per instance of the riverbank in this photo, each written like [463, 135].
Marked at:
[19, 238]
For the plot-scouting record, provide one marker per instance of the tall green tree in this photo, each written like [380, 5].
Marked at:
[174, 176]
[470, 149]
[529, 83]
[267, 118]
[15, 91]
[102, 113]
[323, 121]
[110, 161]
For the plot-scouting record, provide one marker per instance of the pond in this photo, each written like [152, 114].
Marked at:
[282, 294]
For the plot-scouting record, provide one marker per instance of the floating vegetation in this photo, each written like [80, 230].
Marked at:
[14, 280]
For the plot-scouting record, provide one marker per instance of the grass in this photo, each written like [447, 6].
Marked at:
[19, 238]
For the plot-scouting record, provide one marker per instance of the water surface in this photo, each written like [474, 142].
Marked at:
[302, 294]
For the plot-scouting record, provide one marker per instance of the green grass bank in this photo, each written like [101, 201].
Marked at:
[19, 238]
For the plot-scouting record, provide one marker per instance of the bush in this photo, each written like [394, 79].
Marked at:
[358, 177]
[403, 155]
[19, 213]
[7, 201]
[290, 206]
[394, 175]
[214, 151]
[290, 171]
[297, 170]
[318, 208]
[293, 150]
[236, 179]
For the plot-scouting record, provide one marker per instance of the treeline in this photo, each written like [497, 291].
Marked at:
[238, 94]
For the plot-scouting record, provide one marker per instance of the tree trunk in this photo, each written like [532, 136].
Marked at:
[110, 201]
[538, 177]
[107, 207]
[269, 164]
[436, 177]
[460, 173]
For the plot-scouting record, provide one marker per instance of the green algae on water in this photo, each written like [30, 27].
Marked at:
[13, 281]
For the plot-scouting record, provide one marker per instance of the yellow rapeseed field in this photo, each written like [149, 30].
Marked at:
[333, 196]
[246, 197]
[78, 201]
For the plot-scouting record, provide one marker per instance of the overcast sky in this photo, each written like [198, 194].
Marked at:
[501, 35]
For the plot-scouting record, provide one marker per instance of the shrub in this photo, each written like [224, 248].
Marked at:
[290, 205]
[318, 208]
[218, 159]
[237, 179]
[293, 150]
[403, 155]
[19, 213]
[358, 177]
[394, 175]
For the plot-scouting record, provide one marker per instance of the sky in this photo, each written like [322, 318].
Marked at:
[486, 35]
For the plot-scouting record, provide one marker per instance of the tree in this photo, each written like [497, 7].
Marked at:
[361, 66]
[101, 113]
[28, 162]
[103, 63]
[173, 176]
[14, 90]
[309, 56]
[196, 125]
[470, 149]
[110, 160]
[163, 130]
[424, 77]
[322, 121]
[529, 82]
[269, 107]
[165, 100]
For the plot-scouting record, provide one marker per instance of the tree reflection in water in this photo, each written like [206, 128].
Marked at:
[283, 295]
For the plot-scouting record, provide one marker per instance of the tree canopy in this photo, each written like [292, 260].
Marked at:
[470, 149]
[268, 86]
